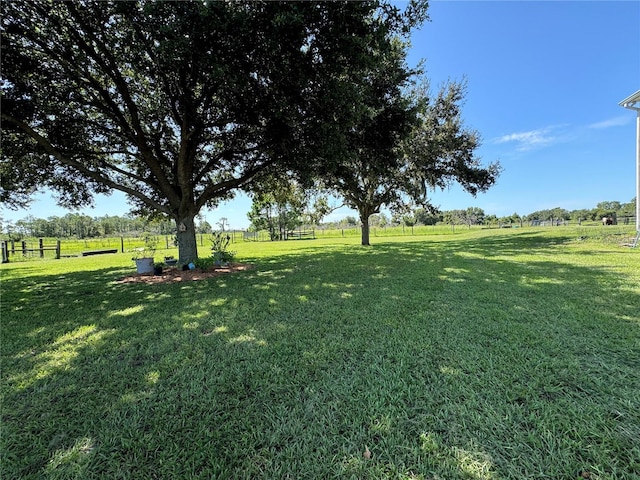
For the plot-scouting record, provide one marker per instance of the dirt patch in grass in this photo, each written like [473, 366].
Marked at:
[173, 274]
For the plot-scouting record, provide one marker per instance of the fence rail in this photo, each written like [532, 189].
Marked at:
[42, 248]
[9, 248]
[34, 248]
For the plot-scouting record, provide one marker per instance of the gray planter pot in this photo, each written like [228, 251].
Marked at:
[144, 265]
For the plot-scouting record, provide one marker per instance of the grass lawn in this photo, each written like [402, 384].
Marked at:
[504, 354]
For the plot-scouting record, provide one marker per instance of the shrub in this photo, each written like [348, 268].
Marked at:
[219, 248]
[149, 249]
[204, 263]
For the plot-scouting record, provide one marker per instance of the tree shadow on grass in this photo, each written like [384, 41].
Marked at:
[443, 358]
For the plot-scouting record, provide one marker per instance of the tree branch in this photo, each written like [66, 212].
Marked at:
[105, 60]
[82, 168]
[225, 186]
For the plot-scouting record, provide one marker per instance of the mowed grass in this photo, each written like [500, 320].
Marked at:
[507, 354]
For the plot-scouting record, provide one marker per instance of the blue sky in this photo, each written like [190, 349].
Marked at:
[544, 82]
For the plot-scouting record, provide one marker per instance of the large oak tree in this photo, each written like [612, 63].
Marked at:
[179, 104]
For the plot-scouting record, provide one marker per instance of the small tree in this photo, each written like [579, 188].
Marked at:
[427, 216]
[316, 207]
[491, 220]
[472, 216]
[204, 226]
[409, 219]
[403, 147]
[277, 206]
[453, 217]
[515, 218]
[223, 223]
[349, 221]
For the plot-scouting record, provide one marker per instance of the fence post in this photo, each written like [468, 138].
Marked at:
[13, 247]
[24, 248]
[166, 239]
[5, 252]
[121, 244]
[41, 247]
[57, 249]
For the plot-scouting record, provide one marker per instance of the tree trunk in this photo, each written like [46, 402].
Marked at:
[364, 220]
[187, 245]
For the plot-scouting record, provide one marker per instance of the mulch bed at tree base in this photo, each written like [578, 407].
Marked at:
[174, 274]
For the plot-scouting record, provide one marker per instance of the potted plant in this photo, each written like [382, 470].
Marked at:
[170, 260]
[143, 256]
[157, 268]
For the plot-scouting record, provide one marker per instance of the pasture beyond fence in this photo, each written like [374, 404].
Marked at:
[56, 248]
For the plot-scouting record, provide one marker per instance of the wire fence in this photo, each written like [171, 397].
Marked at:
[43, 248]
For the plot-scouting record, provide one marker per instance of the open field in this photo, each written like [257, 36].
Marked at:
[127, 243]
[490, 354]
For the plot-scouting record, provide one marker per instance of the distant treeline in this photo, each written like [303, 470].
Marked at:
[75, 225]
[477, 216]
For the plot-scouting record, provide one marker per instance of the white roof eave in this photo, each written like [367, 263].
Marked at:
[631, 101]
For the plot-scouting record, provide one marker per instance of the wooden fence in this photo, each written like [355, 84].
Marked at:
[74, 248]
[9, 248]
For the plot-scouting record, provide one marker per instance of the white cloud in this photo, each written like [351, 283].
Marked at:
[530, 139]
[618, 121]
[559, 133]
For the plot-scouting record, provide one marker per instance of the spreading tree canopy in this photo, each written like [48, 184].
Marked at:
[406, 144]
[179, 104]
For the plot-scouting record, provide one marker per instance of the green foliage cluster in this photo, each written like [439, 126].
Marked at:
[75, 225]
[623, 212]
[204, 263]
[220, 253]
[149, 249]
[220, 248]
[278, 207]
[603, 209]
[80, 226]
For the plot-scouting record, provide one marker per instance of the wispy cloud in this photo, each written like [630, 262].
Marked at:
[618, 121]
[530, 139]
[558, 133]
